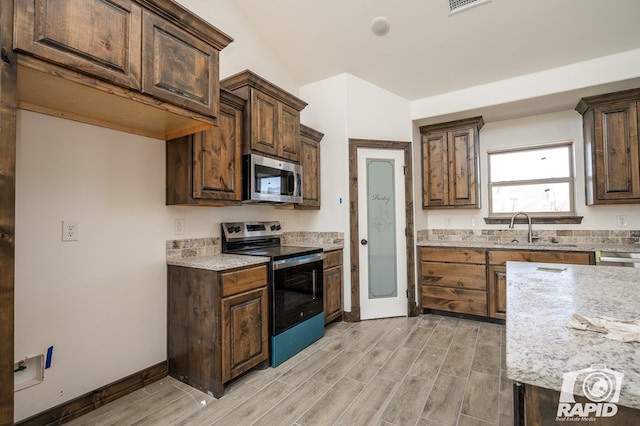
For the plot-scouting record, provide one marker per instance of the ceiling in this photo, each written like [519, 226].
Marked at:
[429, 52]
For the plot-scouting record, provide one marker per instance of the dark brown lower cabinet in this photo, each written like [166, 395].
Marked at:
[497, 291]
[541, 408]
[453, 280]
[217, 325]
[332, 293]
[497, 271]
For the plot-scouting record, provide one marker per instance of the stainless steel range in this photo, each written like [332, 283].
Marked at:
[296, 317]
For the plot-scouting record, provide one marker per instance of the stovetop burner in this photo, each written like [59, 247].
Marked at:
[278, 252]
[259, 239]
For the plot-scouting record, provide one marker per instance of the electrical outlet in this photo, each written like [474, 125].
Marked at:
[69, 230]
[180, 226]
[622, 220]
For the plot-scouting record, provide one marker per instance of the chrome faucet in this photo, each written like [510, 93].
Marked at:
[513, 218]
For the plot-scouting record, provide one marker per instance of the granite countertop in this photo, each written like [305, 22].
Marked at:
[619, 248]
[540, 301]
[218, 262]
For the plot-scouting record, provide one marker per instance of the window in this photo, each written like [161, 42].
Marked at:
[535, 180]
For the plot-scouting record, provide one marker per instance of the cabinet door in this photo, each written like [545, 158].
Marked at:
[332, 293]
[217, 158]
[178, 67]
[310, 162]
[101, 38]
[244, 331]
[497, 295]
[264, 121]
[616, 152]
[435, 175]
[463, 185]
[288, 132]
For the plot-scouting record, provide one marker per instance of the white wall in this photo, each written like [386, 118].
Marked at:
[344, 107]
[545, 128]
[247, 51]
[552, 88]
[101, 301]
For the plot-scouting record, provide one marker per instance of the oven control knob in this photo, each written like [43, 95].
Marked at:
[236, 229]
[230, 229]
[273, 227]
[278, 227]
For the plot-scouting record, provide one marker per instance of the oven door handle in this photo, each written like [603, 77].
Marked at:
[295, 261]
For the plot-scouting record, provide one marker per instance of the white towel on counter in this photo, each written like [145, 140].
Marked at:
[612, 328]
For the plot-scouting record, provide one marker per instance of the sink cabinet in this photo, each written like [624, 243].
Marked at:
[612, 147]
[453, 280]
[497, 272]
[474, 280]
[205, 168]
[333, 286]
[450, 164]
[272, 116]
[143, 66]
[217, 325]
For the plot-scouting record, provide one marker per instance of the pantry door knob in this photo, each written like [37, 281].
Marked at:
[363, 242]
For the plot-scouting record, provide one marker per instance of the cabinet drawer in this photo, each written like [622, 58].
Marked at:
[333, 258]
[455, 276]
[460, 255]
[578, 258]
[455, 300]
[243, 280]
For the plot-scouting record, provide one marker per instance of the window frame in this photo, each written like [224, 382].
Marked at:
[569, 144]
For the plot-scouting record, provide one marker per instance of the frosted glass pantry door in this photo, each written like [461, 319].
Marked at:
[381, 218]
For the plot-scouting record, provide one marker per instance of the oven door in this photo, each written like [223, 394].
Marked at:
[296, 291]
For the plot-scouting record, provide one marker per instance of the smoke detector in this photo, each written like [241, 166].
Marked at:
[457, 6]
[380, 26]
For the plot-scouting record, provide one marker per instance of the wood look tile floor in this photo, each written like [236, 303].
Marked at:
[426, 370]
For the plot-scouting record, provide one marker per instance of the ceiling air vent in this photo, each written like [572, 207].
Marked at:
[457, 6]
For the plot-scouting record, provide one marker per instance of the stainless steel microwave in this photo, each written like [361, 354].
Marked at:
[268, 180]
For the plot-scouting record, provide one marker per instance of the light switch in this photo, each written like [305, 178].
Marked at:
[180, 226]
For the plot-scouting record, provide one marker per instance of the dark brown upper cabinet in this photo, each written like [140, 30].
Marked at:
[450, 164]
[272, 116]
[205, 168]
[142, 66]
[611, 147]
[310, 162]
[102, 38]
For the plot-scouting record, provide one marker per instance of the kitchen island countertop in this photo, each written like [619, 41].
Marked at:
[541, 299]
